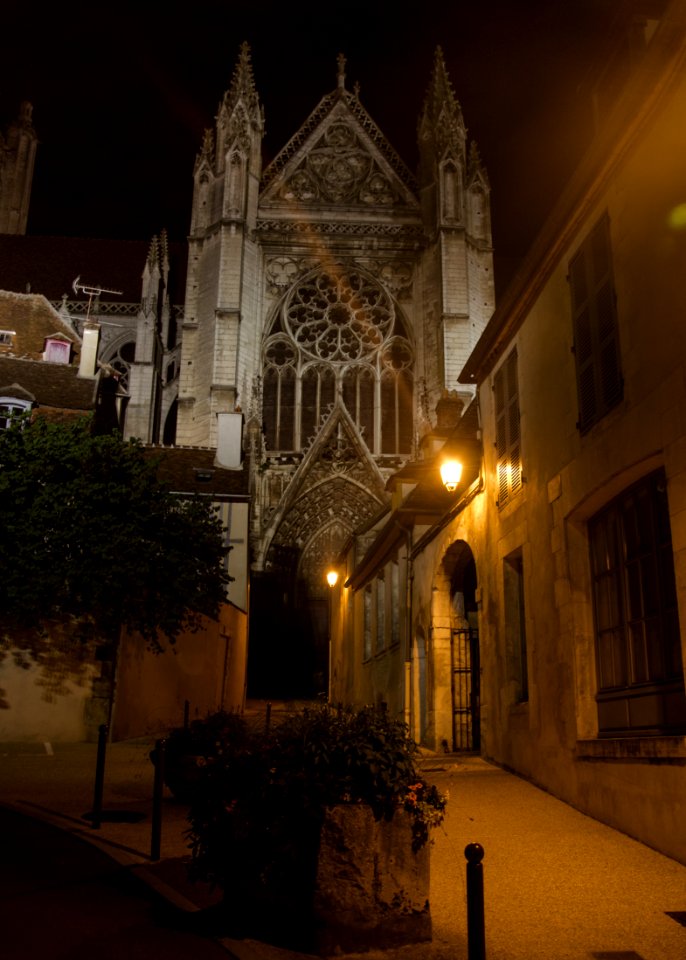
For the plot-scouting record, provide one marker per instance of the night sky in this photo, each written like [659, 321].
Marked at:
[122, 93]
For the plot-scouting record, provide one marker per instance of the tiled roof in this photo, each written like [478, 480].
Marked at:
[54, 385]
[193, 470]
[31, 318]
[49, 265]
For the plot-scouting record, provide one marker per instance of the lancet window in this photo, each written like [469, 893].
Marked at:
[337, 334]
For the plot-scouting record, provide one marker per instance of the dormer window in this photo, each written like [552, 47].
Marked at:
[10, 409]
[57, 350]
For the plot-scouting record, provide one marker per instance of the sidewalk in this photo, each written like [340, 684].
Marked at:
[558, 885]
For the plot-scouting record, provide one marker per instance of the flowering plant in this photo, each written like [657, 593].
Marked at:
[264, 801]
[427, 806]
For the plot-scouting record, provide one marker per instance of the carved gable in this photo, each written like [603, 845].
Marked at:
[339, 159]
[336, 488]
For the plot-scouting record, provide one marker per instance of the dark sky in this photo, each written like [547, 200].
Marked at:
[122, 93]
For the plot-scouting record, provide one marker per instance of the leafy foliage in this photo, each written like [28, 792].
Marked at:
[91, 541]
[262, 797]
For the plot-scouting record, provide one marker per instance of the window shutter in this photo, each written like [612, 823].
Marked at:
[596, 347]
[507, 432]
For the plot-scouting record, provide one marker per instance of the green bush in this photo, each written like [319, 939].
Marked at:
[259, 805]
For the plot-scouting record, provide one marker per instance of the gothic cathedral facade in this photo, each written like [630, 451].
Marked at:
[333, 298]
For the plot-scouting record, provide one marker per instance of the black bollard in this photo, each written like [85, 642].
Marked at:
[476, 930]
[157, 793]
[96, 816]
[268, 717]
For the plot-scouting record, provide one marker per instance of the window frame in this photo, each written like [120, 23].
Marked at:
[596, 348]
[635, 613]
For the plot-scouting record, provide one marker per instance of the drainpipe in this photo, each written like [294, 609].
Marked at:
[409, 580]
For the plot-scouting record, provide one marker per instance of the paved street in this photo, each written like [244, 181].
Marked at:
[63, 899]
[558, 885]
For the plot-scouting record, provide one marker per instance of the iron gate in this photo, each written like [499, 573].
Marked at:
[464, 653]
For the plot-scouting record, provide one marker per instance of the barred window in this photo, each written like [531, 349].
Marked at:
[596, 345]
[508, 447]
[640, 672]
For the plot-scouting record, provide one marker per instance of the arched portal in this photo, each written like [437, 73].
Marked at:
[455, 651]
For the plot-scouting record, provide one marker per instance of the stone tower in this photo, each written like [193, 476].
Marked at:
[332, 298]
[17, 158]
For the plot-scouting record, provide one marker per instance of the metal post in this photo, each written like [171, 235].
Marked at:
[99, 777]
[476, 931]
[157, 793]
[268, 717]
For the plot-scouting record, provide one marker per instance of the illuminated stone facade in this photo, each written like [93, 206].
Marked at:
[331, 297]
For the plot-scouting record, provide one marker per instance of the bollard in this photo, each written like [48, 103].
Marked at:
[96, 817]
[157, 793]
[268, 717]
[186, 714]
[476, 931]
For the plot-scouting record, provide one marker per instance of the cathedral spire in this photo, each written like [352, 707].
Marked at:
[441, 119]
[243, 85]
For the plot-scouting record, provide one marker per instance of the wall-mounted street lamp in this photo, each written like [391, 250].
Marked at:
[332, 578]
[451, 472]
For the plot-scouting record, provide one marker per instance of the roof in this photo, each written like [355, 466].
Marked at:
[31, 319]
[195, 470]
[49, 265]
[55, 385]
[427, 503]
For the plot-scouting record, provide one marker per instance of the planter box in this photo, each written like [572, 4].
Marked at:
[371, 888]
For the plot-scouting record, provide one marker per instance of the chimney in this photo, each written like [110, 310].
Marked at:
[230, 440]
[89, 349]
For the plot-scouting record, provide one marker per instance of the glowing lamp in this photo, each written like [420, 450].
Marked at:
[332, 578]
[451, 471]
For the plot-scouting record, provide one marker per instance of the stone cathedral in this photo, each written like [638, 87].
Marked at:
[332, 297]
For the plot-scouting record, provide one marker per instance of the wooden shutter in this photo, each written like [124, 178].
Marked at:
[508, 447]
[596, 346]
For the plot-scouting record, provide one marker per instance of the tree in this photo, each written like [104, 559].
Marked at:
[91, 541]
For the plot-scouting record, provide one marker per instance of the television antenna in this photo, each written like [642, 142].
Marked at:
[92, 292]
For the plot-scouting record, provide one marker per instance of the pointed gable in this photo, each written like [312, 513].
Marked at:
[339, 157]
[336, 487]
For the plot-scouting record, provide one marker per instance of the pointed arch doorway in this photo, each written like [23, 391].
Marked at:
[459, 587]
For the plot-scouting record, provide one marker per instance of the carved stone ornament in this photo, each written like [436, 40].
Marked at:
[339, 317]
[282, 271]
[339, 170]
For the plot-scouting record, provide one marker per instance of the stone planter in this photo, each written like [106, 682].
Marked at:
[371, 888]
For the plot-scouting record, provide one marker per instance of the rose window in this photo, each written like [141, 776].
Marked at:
[339, 318]
[337, 337]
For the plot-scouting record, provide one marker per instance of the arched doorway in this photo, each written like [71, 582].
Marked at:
[458, 590]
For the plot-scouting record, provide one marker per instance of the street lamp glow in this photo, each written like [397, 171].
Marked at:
[332, 578]
[451, 472]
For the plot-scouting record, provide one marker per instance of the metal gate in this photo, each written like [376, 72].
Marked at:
[464, 653]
